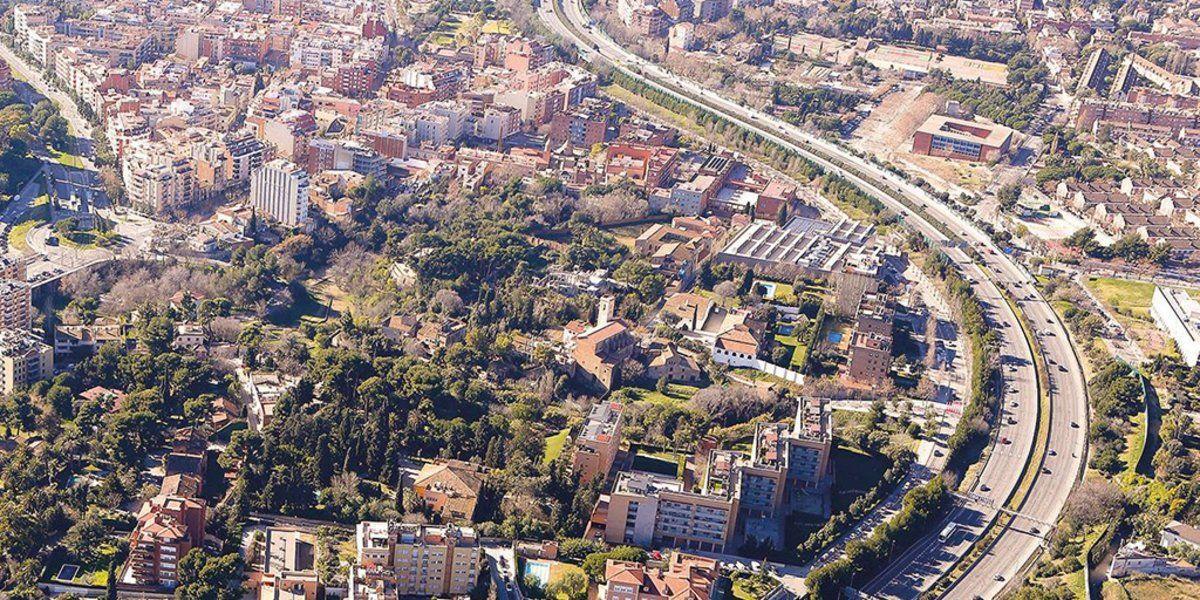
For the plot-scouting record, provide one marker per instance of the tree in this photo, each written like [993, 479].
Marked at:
[726, 290]
[205, 577]
[571, 585]
[1008, 195]
[593, 564]
[85, 538]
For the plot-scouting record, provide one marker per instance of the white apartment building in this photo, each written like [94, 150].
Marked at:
[24, 359]
[1178, 314]
[15, 304]
[157, 178]
[498, 122]
[279, 190]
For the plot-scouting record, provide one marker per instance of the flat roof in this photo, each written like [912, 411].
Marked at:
[959, 129]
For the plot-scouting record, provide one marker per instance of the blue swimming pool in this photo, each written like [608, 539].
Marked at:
[834, 337]
[539, 570]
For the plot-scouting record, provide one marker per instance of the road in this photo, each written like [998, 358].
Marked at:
[1014, 547]
[32, 75]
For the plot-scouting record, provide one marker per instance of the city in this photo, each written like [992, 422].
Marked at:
[610, 300]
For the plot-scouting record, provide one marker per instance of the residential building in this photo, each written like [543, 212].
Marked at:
[400, 560]
[279, 191]
[802, 451]
[651, 510]
[156, 178]
[15, 304]
[598, 442]
[683, 577]
[167, 528]
[450, 488]
[1178, 314]
[288, 569]
[24, 359]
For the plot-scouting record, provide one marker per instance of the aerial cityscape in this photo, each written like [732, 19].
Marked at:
[600, 299]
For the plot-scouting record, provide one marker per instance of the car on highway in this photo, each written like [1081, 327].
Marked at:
[1074, 425]
[1005, 441]
[1051, 452]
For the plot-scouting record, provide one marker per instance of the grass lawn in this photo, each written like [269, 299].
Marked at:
[799, 350]
[70, 160]
[1135, 444]
[784, 292]
[675, 394]
[663, 462]
[555, 445]
[38, 214]
[1156, 588]
[502, 27]
[1127, 298]
[857, 472]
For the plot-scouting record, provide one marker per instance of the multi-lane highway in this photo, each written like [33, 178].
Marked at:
[993, 275]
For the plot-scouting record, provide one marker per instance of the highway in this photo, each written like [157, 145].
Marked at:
[994, 275]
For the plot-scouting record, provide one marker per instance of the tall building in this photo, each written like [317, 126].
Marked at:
[15, 304]
[397, 560]
[279, 190]
[732, 495]
[24, 359]
[156, 178]
[168, 527]
[871, 344]
[598, 442]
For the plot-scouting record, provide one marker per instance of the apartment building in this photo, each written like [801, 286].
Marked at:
[24, 359]
[157, 178]
[279, 190]
[647, 509]
[13, 268]
[871, 343]
[15, 304]
[597, 445]
[1178, 314]
[398, 560]
[801, 451]
[167, 528]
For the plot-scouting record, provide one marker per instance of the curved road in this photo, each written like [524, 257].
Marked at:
[994, 275]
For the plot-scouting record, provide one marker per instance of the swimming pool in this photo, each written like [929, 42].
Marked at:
[834, 337]
[538, 569]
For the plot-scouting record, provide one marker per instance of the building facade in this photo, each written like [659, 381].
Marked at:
[279, 190]
[398, 560]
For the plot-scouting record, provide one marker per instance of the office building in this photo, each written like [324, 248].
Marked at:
[398, 560]
[279, 190]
